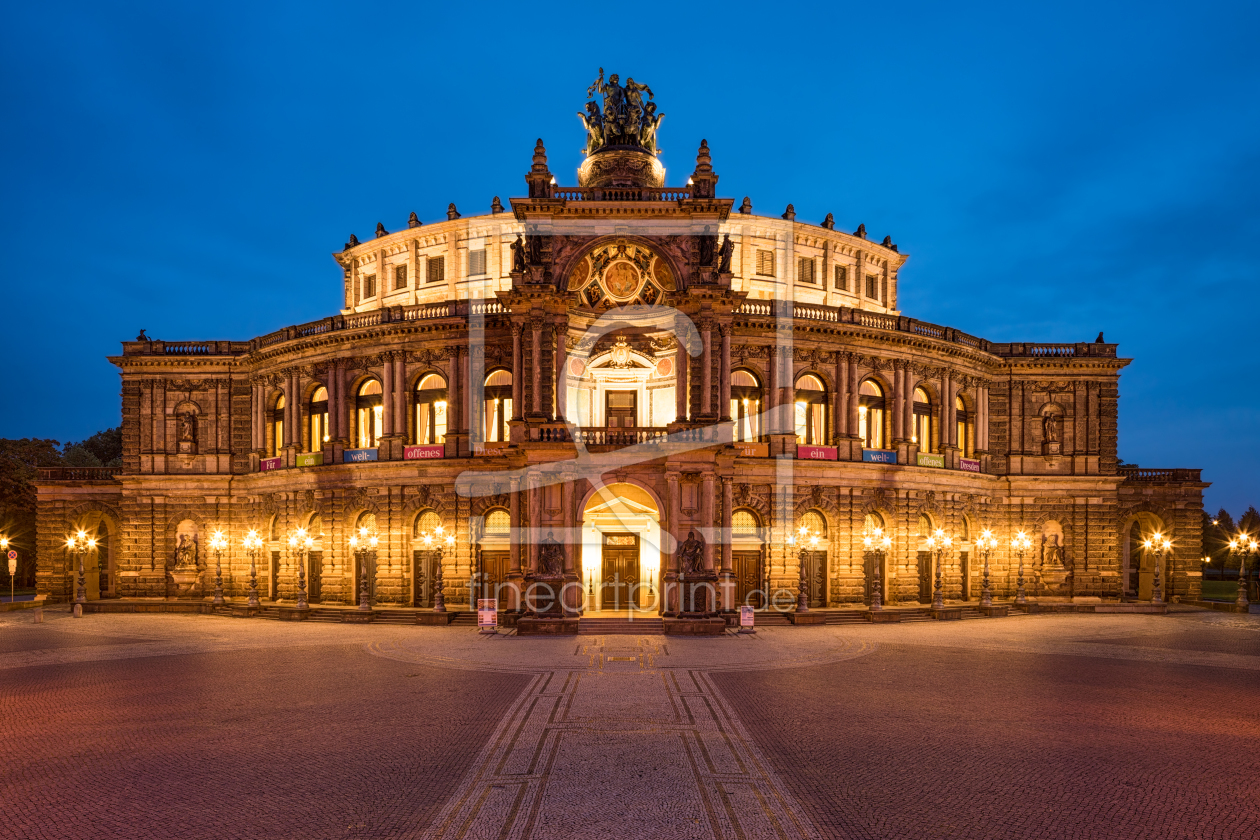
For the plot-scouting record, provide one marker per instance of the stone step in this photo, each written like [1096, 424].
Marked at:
[620, 627]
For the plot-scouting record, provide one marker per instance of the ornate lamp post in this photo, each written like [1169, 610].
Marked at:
[436, 541]
[986, 542]
[877, 545]
[253, 544]
[938, 544]
[810, 540]
[1021, 543]
[362, 543]
[218, 542]
[300, 544]
[4, 549]
[80, 544]
[1161, 546]
[1242, 546]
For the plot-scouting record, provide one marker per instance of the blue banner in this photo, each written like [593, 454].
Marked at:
[880, 456]
[351, 456]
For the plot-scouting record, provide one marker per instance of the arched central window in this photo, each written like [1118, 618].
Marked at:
[498, 405]
[871, 411]
[431, 409]
[318, 413]
[922, 431]
[811, 410]
[370, 414]
[966, 429]
[745, 406]
[744, 524]
[277, 427]
[498, 523]
[872, 523]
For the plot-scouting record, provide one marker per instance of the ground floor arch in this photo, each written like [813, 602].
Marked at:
[621, 554]
[1137, 565]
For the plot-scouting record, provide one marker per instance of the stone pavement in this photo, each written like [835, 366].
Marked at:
[1031, 726]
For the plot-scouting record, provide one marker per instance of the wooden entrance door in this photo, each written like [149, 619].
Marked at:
[869, 566]
[925, 577]
[747, 568]
[314, 576]
[816, 578]
[423, 576]
[275, 576]
[619, 589]
[494, 567]
[621, 409]
[964, 569]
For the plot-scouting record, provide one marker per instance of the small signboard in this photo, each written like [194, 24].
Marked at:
[354, 456]
[310, 459]
[745, 616]
[926, 459]
[268, 464]
[12, 562]
[752, 450]
[495, 447]
[487, 614]
[879, 456]
[424, 452]
[816, 453]
[969, 465]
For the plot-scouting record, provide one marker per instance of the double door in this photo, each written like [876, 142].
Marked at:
[494, 569]
[619, 588]
[816, 578]
[621, 409]
[423, 578]
[748, 584]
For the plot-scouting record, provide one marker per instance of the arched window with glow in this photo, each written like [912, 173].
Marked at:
[966, 429]
[430, 410]
[745, 405]
[811, 410]
[276, 432]
[923, 527]
[498, 523]
[872, 523]
[871, 412]
[426, 523]
[922, 431]
[744, 524]
[370, 414]
[318, 413]
[498, 404]
[813, 520]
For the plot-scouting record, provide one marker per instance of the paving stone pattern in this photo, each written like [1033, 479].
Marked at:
[1028, 727]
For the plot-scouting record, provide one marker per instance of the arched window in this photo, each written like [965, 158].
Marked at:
[872, 523]
[366, 521]
[745, 405]
[370, 414]
[316, 528]
[426, 523]
[318, 413]
[277, 427]
[813, 520]
[965, 530]
[922, 431]
[431, 409]
[871, 411]
[498, 523]
[923, 528]
[811, 410]
[744, 524]
[966, 429]
[498, 405]
[273, 528]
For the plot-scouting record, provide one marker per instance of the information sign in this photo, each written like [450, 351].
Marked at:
[752, 450]
[310, 459]
[487, 614]
[745, 616]
[926, 459]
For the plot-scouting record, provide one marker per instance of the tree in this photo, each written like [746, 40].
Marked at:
[105, 446]
[19, 462]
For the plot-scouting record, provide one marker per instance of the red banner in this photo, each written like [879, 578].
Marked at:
[421, 453]
[269, 464]
[816, 453]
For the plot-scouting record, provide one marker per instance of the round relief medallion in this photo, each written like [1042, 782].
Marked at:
[621, 280]
[664, 277]
[577, 277]
[664, 367]
[576, 367]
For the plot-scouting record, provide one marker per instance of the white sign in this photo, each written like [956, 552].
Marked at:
[745, 616]
[487, 613]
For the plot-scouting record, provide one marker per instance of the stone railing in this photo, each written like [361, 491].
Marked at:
[185, 348]
[621, 193]
[79, 473]
[1152, 476]
[621, 435]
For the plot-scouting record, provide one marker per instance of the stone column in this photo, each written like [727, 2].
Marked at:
[514, 513]
[952, 410]
[706, 367]
[536, 363]
[561, 379]
[725, 390]
[387, 397]
[707, 514]
[292, 434]
[672, 527]
[256, 429]
[400, 398]
[772, 389]
[899, 401]
[681, 389]
[907, 418]
[788, 408]
[853, 396]
[453, 413]
[842, 395]
[518, 382]
[532, 535]
[944, 412]
[340, 406]
[728, 499]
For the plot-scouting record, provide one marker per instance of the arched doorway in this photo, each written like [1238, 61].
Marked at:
[873, 526]
[815, 559]
[621, 549]
[99, 564]
[747, 558]
[1138, 575]
[494, 547]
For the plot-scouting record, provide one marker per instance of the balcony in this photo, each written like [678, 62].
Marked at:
[79, 473]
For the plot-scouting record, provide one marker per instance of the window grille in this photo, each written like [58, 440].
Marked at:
[765, 263]
[476, 262]
[436, 272]
[805, 270]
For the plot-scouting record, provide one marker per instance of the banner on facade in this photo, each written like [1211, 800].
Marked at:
[268, 464]
[494, 447]
[969, 465]
[928, 460]
[752, 450]
[880, 456]
[354, 456]
[310, 459]
[487, 613]
[421, 453]
[817, 453]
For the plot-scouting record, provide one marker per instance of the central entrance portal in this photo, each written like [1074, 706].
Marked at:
[620, 589]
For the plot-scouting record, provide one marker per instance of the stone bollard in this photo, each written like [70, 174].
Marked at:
[39, 615]
[78, 611]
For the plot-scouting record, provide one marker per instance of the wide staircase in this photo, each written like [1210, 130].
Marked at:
[620, 625]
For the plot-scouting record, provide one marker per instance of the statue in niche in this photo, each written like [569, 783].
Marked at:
[1050, 428]
[518, 255]
[1052, 552]
[188, 427]
[550, 557]
[708, 247]
[691, 554]
[724, 255]
[186, 551]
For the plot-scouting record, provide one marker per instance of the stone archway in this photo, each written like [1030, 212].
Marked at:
[620, 556]
[1137, 566]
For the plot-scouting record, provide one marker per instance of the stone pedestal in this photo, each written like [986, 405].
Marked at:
[803, 618]
[243, 611]
[294, 613]
[185, 580]
[357, 616]
[947, 613]
[698, 593]
[546, 626]
[435, 618]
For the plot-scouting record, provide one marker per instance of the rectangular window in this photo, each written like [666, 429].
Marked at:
[476, 263]
[436, 272]
[400, 277]
[872, 286]
[369, 286]
[765, 263]
[805, 270]
[842, 279]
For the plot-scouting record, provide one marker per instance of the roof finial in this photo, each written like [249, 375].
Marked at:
[380, 230]
[860, 233]
[789, 213]
[830, 222]
[413, 221]
[451, 212]
[496, 206]
[746, 207]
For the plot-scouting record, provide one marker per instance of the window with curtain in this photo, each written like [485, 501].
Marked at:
[871, 413]
[369, 414]
[811, 410]
[745, 406]
[921, 432]
[277, 427]
[966, 429]
[498, 405]
[430, 402]
[318, 415]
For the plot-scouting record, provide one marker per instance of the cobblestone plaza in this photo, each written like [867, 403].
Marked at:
[1030, 726]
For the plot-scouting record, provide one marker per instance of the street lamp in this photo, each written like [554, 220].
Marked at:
[4, 548]
[1242, 546]
[939, 543]
[1161, 546]
[876, 544]
[218, 542]
[810, 539]
[362, 543]
[1020, 543]
[81, 544]
[300, 544]
[437, 541]
[253, 544]
[986, 542]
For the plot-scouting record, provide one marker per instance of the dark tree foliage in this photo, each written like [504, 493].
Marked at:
[19, 462]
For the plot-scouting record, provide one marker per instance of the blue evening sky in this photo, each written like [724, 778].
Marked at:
[1053, 170]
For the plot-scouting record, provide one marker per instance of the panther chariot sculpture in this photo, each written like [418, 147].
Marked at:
[621, 127]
